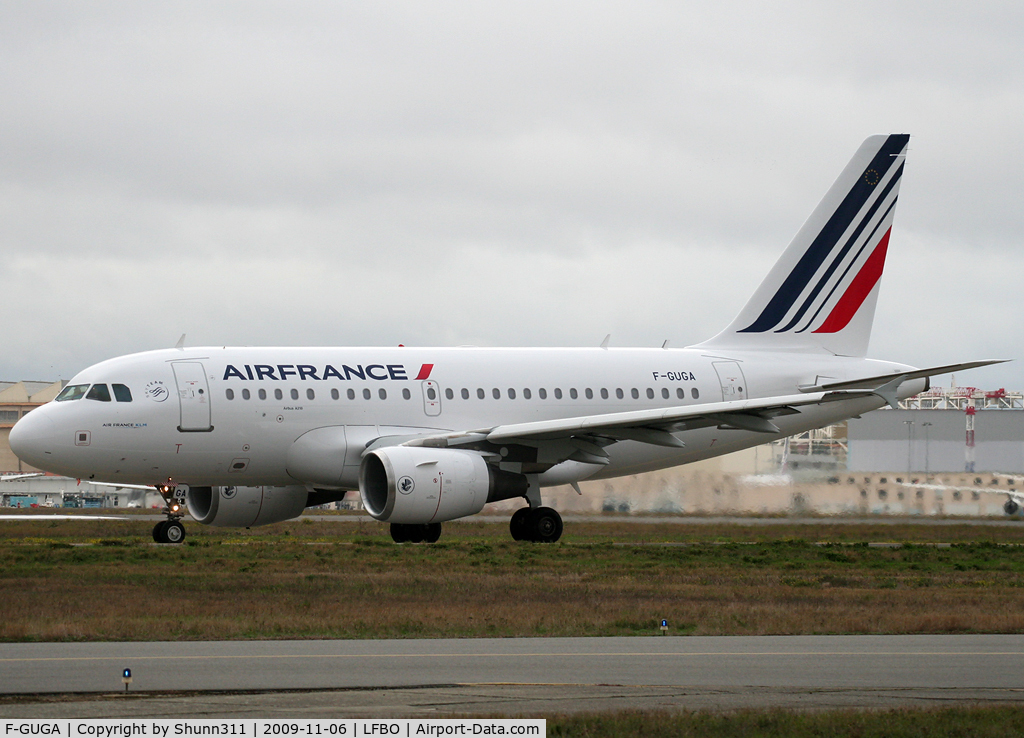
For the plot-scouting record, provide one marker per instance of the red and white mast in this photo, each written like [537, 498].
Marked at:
[969, 449]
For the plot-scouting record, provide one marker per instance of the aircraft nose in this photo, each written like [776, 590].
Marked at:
[32, 438]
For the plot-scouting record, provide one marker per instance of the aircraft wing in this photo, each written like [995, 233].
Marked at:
[754, 415]
[12, 477]
[1013, 494]
[147, 487]
[582, 438]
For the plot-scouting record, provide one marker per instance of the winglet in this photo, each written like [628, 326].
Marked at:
[604, 343]
[180, 345]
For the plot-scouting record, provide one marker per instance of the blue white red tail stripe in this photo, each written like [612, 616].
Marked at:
[842, 253]
[821, 294]
[825, 243]
[854, 262]
[858, 290]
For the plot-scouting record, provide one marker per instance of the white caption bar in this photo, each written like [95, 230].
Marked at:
[14, 728]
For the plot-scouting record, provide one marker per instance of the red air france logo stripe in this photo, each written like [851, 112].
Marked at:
[858, 290]
[425, 371]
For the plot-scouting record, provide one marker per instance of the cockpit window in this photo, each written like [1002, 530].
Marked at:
[122, 393]
[99, 392]
[72, 392]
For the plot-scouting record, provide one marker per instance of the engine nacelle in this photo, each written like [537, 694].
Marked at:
[1010, 507]
[412, 484]
[244, 507]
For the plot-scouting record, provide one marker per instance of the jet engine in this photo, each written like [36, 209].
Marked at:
[243, 507]
[410, 484]
[1010, 507]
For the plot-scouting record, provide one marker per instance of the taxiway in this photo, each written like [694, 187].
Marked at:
[508, 676]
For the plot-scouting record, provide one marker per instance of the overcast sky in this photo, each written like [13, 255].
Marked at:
[303, 173]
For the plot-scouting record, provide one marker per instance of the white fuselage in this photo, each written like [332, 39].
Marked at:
[229, 416]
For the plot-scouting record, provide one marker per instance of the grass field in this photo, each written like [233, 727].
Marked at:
[963, 722]
[309, 579]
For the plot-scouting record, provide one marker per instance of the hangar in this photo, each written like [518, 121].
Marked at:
[958, 429]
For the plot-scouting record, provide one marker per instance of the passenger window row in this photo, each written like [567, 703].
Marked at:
[574, 394]
[311, 395]
[481, 394]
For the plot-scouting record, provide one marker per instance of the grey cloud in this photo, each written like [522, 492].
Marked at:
[321, 172]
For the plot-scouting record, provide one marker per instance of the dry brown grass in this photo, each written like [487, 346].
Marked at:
[345, 579]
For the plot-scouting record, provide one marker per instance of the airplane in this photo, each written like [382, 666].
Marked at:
[251, 436]
[1014, 494]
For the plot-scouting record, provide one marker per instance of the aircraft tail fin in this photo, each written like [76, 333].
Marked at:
[821, 294]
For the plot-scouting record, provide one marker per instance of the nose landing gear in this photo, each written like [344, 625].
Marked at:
[171, 530]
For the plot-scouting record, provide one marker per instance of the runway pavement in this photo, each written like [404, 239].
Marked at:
[517, 676]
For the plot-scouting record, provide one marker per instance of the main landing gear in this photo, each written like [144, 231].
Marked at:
[171, 530]
[538, 524]
[409, 533]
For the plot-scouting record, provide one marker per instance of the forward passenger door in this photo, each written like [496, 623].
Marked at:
[193, 396]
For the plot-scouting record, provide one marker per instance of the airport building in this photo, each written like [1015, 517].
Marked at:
[53, 491]
[18, 399]
[959, 429]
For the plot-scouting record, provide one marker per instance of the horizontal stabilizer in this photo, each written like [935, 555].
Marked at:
[884, 379]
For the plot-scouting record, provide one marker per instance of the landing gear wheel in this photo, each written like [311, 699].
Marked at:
[517, 526]
[545, 525]
[174, 532]
[399, 532]
[169, 531]
[432, 532]
[415, 533]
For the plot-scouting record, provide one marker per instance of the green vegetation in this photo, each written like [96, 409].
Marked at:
[106, 580]
[965, 722]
